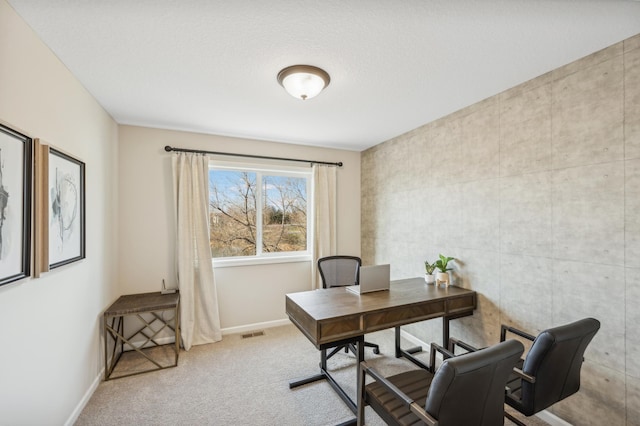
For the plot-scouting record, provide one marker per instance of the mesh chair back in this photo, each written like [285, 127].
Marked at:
[469, 389]
[555, 360]
[339, 271]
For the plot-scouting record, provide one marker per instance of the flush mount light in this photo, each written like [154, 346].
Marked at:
[303, 81]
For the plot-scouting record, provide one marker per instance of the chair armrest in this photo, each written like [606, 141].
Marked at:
[505, 328]
[406, 400]
[453, 342]
[416, 409]
[524, 376]
[432, 355]
[422, 414]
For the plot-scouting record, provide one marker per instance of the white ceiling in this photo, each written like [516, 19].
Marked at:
[210, 66]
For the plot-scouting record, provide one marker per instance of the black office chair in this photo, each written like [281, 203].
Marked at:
[466, 390]
[550, 372]
[341, 271]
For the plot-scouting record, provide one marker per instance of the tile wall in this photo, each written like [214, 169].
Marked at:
[536, 192]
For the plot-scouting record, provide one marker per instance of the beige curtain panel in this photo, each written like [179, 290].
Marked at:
[324, 194]
[199, 315]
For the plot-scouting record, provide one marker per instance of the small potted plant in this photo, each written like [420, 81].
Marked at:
[443, 274]
[429, 269]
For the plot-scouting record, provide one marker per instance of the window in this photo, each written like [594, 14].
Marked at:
[258, 212]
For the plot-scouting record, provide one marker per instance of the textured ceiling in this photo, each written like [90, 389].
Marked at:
[210, 66]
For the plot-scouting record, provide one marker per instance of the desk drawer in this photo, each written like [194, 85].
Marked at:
[466, 303]
[344, 327]
[404, 315]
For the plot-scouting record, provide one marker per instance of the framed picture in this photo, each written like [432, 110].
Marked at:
[15, 205]
[40, 207]
[65, 209]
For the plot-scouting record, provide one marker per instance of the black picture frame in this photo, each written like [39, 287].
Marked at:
[66, 209]
[16, 181]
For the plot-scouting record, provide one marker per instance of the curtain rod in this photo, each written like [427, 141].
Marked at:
[169, 149]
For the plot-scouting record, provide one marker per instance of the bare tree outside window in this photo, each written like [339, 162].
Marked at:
[232, 211]
[284, 214]
[236, 228]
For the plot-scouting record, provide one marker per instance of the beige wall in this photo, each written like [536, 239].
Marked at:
[249, 296]
[50, 327]
[50, 354]
[536, 191]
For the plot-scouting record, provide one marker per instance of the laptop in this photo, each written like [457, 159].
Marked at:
[372, 278]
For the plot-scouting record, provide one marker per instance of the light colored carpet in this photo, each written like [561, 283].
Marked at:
[241, 382]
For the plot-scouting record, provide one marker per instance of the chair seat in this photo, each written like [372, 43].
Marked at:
[414, 383]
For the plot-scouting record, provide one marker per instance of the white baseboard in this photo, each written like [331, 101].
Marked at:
[413, 339]
[552, 419]
[254, 327]
[85, 399]
[225, 331]
[544, 415]
[166, 340]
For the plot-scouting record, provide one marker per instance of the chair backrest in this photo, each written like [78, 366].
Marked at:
[339, 271]
[469, 389]
[555, 360]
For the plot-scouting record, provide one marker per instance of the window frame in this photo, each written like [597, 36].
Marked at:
[268, 169]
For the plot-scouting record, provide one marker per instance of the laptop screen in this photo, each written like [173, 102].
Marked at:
[374, 278]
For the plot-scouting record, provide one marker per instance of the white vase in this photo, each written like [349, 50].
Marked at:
[442, 278]
[430, 278]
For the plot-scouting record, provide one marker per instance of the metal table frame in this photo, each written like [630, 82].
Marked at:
[135, 305]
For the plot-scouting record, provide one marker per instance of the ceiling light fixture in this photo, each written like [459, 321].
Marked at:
[303, 81]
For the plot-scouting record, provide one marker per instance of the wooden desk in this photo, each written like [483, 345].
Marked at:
[139, 304]
[334, 316]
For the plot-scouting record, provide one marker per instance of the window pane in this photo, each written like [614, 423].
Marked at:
[232, 213]
[284, 214]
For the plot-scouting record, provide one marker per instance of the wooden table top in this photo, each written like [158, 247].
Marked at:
[142, 302]
[329, 315]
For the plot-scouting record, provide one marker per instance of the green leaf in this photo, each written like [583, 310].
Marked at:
[429, 267]
[442, 263]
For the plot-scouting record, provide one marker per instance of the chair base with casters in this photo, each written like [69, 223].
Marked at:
[466, 390]
[351, 348]
[550, 372]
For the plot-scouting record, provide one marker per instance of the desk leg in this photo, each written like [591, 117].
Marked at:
[325, 375]
[406, 353]
[445, 326]
[316, 377]
[359, 386]
[399, 351]
[445, 332]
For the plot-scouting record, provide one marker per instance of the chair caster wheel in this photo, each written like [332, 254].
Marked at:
[376, 351]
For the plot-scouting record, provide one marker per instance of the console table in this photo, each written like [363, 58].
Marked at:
[135, 305]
